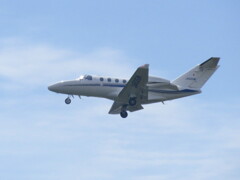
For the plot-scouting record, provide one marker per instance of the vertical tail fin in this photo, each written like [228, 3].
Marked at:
[198, 76]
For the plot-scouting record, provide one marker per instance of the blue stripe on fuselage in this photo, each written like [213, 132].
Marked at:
[175, 92]
[114, 85]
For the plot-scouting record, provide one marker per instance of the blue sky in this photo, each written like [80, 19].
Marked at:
[42, 42]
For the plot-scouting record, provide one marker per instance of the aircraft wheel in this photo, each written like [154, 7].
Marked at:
[68, 100]
[124, 114]
[132, 101]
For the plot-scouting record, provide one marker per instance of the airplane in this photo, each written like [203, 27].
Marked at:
[140, 89]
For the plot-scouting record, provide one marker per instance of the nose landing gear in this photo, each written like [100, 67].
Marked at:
[68, 100]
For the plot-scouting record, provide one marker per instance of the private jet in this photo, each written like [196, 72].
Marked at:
[130, 95]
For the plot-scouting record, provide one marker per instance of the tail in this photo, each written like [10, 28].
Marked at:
[198, 76]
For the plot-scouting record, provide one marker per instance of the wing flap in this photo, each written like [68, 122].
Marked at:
[116, 108]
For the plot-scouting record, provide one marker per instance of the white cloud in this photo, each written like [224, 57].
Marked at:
[41, 64]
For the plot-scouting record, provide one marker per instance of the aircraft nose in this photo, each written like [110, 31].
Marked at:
[52, 87]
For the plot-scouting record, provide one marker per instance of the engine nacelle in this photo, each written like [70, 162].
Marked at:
[156, 81]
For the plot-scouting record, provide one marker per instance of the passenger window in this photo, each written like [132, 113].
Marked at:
[109, 79]
[101, 79]
[124, 81]
[116, 80]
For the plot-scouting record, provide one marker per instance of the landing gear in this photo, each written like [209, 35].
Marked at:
[124, 114]
[132, 101]
[68, 100]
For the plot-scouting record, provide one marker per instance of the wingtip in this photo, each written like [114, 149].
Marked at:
[145, 66]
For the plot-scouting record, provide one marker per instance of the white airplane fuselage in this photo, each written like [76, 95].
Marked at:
[156, 91]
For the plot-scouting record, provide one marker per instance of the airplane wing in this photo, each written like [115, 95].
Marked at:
[135, 88]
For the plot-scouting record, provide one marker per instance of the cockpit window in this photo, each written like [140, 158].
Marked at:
[88, 77]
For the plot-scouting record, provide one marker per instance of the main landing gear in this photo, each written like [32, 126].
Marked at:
[124, 114]
[132, 101]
